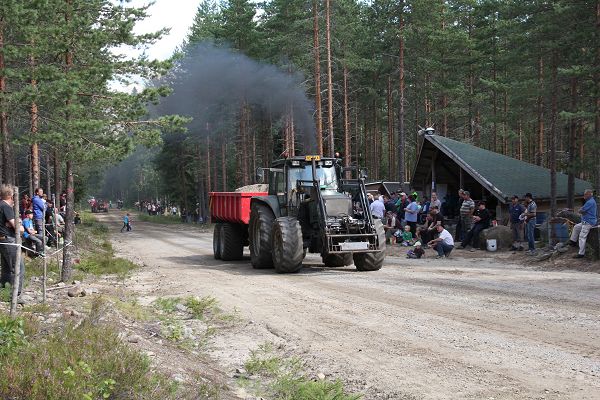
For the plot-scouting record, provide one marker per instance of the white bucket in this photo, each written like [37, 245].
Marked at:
[492, 245]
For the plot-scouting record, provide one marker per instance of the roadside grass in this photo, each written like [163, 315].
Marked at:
[88, 361]
[197, 307]
[282, 378]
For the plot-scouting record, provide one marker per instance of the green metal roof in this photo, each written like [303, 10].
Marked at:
[505, 176]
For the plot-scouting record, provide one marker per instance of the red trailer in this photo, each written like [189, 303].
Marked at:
[230, 211]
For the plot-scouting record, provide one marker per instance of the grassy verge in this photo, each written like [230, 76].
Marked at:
[87, 361]
[282, 378]
[159, 219]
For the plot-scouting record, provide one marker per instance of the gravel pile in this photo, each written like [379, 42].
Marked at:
[259, 187]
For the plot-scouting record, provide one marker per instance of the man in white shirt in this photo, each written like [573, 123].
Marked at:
[378, 208]
[443, 244]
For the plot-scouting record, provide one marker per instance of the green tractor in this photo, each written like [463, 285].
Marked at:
[310, 207]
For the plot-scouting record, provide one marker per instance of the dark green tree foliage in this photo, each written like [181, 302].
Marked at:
[510, 76]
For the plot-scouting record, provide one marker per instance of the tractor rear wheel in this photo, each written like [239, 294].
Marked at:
[372, 261]
[337, 260]
[261, 226]
[231, 244]
[217, 241]
[287, 245]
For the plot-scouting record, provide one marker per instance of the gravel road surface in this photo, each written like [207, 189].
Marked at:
[469, 327]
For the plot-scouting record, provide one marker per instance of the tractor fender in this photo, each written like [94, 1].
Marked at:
[269, 201]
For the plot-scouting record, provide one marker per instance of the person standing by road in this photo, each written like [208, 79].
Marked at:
[515, 210]
[126, 223]
[39, 209]
[466, 214]
[377, 207]
[8, 250]
[529, 216]
[588, 220]
[411, 213]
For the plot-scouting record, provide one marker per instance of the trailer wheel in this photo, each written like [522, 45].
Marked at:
[287, 245]
[231, 245]
[259, 231]
[337, 260]
[372, 261]
[217, 241]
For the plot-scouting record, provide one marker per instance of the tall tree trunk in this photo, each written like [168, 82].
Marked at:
[346, 123]
[329, 82]
[57, 173]
[67, 268]
[553, 121]
[224, 165]
[597, 119]
[208, 170]
[539, 156]
[48, 175]
[8, 170]
[35, 154]
[572, 147]
[471, 83]
[317, 52]
[520, 140]
[391, 145]
[401, 134]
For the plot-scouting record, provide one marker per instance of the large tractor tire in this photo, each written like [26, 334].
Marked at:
[337, 260]
[261, 226]
[372, 261]
[232, 247]
[217, 241]
[287, 245]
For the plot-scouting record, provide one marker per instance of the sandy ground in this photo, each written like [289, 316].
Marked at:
[468, 327]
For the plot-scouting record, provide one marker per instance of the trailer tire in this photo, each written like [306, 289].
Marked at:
[259, 236]
[337, 260]
[287, 245]
[231, 244]
[372, 261]
[217, 241]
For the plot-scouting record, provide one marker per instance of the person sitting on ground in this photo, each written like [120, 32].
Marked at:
[588, 220]
[416, 252]
[481, 221]
[29, 233]
[407, 237]
[443, 244]
[77, 219]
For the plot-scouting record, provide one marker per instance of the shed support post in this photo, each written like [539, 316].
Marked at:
[461, 179]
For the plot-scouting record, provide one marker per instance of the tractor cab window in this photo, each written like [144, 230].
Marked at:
[326, 176]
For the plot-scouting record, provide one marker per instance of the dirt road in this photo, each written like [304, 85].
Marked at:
[463, 328]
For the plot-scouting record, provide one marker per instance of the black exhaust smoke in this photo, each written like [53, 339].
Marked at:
[211, 83]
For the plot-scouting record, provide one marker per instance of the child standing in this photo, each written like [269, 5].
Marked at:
[407, 237]
[126, 223]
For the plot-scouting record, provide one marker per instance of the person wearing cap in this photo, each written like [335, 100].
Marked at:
[401, 204]
[481, 221]
[29, 233]
[588, 220]
[529, 216]
[515, 209]
[416, 252]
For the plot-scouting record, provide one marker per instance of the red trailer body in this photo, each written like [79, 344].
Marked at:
[232, 207]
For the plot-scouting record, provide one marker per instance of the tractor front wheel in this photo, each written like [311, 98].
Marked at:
[372, 261]
[261, 226]
[287, 245]
[337, 260]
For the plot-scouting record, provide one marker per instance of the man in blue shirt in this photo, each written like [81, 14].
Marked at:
[411, 212]
[38, 204]
[588, 220]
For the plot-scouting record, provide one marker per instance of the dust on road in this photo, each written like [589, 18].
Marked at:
[461, 328]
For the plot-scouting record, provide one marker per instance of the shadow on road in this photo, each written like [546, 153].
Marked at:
[243, 267]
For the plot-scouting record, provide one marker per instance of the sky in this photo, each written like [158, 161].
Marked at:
[178, 15]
